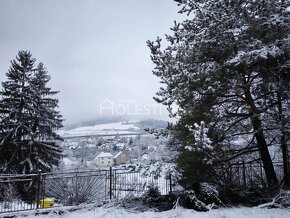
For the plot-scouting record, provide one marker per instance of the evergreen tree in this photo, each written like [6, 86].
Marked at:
[218, 68]
[28, 119]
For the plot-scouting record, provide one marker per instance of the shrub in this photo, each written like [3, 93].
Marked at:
[209, 194]
[152, 196]
[76, 190]
[240, 195]
[189, 199]
[153, 199]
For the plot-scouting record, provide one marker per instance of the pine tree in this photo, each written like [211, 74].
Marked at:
[218, 66]
[28, 119]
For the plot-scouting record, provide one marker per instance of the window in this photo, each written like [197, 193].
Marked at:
[102, 162]
[102, 158]
[109, 161]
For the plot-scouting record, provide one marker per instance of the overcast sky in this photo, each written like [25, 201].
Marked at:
[93, 49]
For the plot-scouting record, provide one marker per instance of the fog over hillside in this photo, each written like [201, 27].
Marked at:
[141, 123]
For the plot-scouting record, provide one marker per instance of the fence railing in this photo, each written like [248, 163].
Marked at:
[73, 188]
[248, 174]
[43, 190]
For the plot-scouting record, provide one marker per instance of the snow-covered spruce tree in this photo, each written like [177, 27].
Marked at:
[223, 58]
[28, 119]
[195, 158]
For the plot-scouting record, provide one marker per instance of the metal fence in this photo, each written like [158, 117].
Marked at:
[78, 187]
[74, 188]
[9, 196]
[248, 174]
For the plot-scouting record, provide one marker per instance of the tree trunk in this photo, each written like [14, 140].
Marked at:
[285, 161]
[261, 142]
[264, 152]
[283, 141]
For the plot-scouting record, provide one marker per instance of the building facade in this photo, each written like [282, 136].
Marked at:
[105, 159]
[121, 158]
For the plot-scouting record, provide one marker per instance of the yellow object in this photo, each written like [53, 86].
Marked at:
[46, 203]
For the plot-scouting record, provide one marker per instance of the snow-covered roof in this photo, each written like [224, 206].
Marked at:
[67, 162]
[104, 154]
[145, 157]
[121, 145]
[118, 154]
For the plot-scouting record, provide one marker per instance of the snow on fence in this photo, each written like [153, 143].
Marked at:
[74, 188]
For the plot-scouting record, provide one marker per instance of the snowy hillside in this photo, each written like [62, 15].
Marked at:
[102, 129]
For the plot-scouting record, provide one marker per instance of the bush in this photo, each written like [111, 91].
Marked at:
[209, 194]
[8, 193]
[204, 196]
[240, 195]
[153, 199]
[152, 195]
[283, 199]
[189, 200]
[76, 190]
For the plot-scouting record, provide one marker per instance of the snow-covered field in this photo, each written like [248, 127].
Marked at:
[101, 212]
[101, 129]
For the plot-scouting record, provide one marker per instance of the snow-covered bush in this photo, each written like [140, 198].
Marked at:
[76, 190]
[248, 196]
[189, 199]
[282, 200]
[152, 195]
[153, 199]
[8, 193]
[194, 169]
[152, 170]
[202, 198]
[209, 194]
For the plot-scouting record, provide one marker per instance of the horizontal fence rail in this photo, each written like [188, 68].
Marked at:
[71, 188]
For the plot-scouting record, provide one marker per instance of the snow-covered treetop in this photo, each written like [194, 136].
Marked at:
[200, 133]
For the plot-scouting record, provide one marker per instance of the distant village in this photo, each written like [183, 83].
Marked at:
[107, 151]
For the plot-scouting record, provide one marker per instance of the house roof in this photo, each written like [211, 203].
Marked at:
[121, 145]
[145, 157]
[104, 154]
[118, 154]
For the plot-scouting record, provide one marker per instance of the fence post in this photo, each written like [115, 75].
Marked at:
[111, 183]
[38, 188]
[43, 188]
[170, 184]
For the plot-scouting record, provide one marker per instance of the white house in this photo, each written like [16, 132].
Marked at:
[120, 145]
[105, 159]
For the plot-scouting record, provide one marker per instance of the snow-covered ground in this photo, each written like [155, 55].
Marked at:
[101, 212]
[101, 129]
